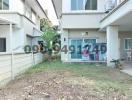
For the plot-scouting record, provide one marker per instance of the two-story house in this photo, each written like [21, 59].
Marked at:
[95, 30]
[19, 24]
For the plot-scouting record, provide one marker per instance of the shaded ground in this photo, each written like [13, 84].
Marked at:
[57, 81]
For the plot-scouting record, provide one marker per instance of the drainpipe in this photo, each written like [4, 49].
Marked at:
[11, 49]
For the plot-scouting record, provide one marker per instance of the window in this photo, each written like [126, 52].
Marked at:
[2, 45]
[0, 4]
[128, 43]
[83, 4]
[91, 5]
[77, 4]
[4, 4]
[33, 17]
[28, 13]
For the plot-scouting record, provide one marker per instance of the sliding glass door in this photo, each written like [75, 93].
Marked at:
[87, 50]
[76, 48]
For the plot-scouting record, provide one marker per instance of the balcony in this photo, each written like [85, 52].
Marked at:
[12, 17]
[120, 16]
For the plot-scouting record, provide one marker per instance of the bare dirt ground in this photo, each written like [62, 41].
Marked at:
[58, 85]
[47, 86]
[52, 86]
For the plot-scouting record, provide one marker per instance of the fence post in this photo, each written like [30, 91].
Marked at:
[33, 59]
[12, 70]
[11, 50]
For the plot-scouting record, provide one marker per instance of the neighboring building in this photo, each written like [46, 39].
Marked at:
[88, 27]
[19, 24]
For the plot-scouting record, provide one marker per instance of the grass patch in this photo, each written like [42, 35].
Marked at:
[105, 78]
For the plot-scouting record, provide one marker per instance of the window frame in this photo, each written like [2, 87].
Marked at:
[69, 42]
[125, 43]
[4, 49]
[33, 16]
[84, 6]
[2, 5]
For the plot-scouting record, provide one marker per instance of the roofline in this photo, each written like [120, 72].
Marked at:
[42, 8]
[55, 8]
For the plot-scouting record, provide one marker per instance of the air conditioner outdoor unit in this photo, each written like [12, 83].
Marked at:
[109, 5]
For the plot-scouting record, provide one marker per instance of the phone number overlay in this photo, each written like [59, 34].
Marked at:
[66, 49]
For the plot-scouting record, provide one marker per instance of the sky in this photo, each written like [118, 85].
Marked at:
[47, 4]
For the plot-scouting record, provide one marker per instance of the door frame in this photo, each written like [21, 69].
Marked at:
[69, 43]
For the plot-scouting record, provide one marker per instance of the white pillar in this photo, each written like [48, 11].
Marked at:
[64, 39]
[112, 44]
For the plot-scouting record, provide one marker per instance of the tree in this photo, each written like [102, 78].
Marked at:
[49, 34]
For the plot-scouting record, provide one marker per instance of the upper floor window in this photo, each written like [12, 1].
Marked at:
[4, 4]
[33, 17]
[83, 4]
[28, 13]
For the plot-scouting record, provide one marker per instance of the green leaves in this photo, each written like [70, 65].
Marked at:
[48, 32]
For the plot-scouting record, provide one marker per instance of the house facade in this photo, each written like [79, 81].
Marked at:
[19, 24]
[95, 30]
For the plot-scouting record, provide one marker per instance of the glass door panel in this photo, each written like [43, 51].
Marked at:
[77, 45]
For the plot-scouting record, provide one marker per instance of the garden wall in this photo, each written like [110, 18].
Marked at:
[13, 64]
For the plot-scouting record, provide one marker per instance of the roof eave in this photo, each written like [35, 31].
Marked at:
[42, 9]
[55, 9]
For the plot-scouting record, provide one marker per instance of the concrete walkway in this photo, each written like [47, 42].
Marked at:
[127, 68]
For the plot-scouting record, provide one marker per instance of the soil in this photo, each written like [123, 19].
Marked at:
[54, 85]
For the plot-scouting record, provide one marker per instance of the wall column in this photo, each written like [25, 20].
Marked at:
[64, 43]
[112, 44]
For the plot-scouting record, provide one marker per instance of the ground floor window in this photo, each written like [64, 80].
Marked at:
[87, 50]
[2, 44]
[128, 44]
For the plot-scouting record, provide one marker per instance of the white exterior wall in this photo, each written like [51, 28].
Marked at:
[21, 7]
[99, 36]
[82, 21]
[75, 23]
[77, 34]
[17, 6]
[23, 25]
[18, 39]
[64, 57]
[4, 33]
